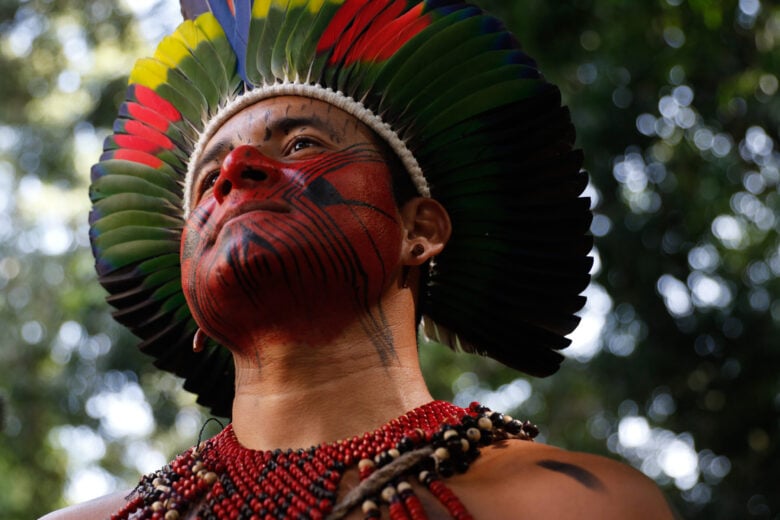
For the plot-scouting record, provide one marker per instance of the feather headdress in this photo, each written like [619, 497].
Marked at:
[449, 89]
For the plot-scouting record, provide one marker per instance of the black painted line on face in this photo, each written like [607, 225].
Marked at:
[578, 473]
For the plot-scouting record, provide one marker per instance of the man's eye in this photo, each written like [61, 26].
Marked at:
[209, 181]
[301, 143]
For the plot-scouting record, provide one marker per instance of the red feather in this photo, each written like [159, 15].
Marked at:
[338, 25]
[389, 37]
[141, 129]
[141, 144]
[149, 98]
[149, 117]
[133, 156]
[372, 32]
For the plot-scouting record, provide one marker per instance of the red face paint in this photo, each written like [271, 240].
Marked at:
[292, 223]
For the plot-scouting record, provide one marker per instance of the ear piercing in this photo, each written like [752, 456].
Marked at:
[418, 250]
[199, 341]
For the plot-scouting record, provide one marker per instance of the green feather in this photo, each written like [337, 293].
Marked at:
[135, 218]
[162, 276]
[420, 93]
[215, 53]
[174, 87]
[137, 202]
[170, 288]
[125, 234]
[128, 253]
[157, 263]
[165, 177]
[396, 65]
[120, 184]
[280, 67]
[262, 35]
[301, 47]
[189, 67]
[423, 62]
[500, 88]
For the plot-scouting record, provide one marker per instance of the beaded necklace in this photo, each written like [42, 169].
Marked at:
[220, 479]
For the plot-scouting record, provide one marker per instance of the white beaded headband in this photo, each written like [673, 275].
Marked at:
[328, 95]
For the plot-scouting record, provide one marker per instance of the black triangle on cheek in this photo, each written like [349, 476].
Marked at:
[323, 193]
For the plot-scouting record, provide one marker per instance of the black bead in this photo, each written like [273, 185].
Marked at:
[446, 469]
[469, 422]
[530, 429]
[497, 419]
[454, 446]
[428, 463]
[382, 459]
[405, 445]
[514, 427]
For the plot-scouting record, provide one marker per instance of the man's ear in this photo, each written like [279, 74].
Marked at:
[427, 229]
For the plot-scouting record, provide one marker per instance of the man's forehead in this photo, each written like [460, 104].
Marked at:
[287, 112]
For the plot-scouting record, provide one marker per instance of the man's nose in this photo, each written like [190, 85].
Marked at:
[245, 168]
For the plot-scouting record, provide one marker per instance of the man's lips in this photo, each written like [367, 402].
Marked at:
[270, 206]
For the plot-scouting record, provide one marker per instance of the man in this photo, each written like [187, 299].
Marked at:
[317, 230]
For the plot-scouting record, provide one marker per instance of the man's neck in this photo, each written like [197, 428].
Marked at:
[299, 395]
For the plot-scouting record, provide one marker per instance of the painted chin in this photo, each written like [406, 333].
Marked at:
[269, 282]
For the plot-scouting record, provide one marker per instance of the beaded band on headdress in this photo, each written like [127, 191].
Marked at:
[453, 95]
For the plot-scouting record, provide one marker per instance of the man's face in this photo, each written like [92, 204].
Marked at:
[292, 212]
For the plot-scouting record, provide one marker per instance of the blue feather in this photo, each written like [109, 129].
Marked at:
[235, 25]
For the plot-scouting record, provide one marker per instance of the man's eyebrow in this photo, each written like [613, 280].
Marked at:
[212, 153]
[288, 124]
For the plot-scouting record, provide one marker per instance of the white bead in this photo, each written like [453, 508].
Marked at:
[388, 494]
[368, 506]
[449, 434]
[404, 486]
[441, 453]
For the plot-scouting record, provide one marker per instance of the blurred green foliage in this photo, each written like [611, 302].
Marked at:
[676, 106]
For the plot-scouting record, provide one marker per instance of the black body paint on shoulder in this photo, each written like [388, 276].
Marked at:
[578, 473]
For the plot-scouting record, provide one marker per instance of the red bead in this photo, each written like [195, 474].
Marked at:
[241, 478]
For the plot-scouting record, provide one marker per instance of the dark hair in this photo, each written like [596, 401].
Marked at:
[403, 187]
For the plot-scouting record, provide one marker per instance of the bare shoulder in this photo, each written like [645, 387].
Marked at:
[518, 479]
[99, 508]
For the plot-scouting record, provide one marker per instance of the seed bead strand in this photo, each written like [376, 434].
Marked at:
[220, 479]
[452, 449]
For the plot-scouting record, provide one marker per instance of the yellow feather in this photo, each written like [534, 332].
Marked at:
[171, 51]
[260, 9]
[188, 34]
[149, 72]
[209, 25]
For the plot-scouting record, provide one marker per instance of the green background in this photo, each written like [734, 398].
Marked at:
[676, 368]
